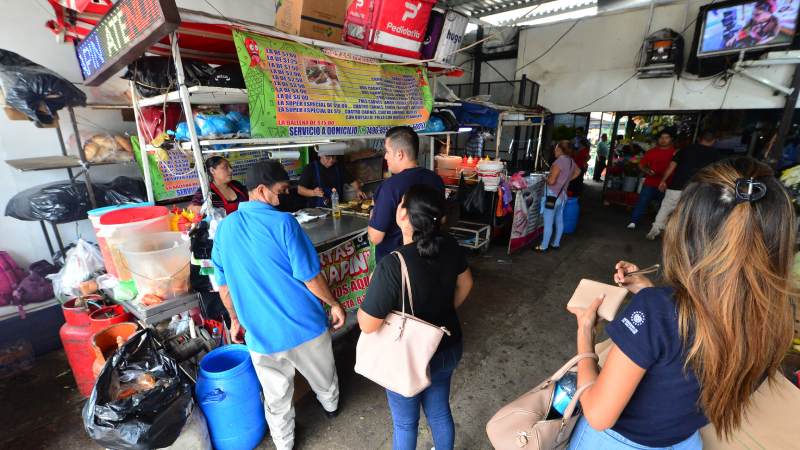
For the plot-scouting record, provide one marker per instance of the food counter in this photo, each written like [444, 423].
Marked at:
[326, 230]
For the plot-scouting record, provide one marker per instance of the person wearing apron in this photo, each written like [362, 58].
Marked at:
[321, 177]
[225, 192]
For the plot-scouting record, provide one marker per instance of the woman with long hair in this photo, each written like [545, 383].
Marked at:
[440, 282]
[562, 172]
[694, 352]
[225, 192]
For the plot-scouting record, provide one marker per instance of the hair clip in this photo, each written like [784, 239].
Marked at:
[749, 190]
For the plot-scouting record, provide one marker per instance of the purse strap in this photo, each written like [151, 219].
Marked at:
[405, 284]
[568, 412]
[570, 364]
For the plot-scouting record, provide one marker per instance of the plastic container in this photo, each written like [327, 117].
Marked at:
[107, 315]
[104, 343]
[122, 224]
[158, 263]
[94, 217]
[76, 337]
[571, 212]
[490, 173]
[388, 26]
[228, 390]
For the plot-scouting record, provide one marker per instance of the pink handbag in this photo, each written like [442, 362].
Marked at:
[396, 356]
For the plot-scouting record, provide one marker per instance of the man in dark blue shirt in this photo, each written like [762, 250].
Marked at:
[402, 148]
[271, 284]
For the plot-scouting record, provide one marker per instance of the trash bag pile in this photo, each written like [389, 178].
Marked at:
[34, 90]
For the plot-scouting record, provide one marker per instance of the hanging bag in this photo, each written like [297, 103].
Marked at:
[396, 356]
[523, 424]
[550, 200]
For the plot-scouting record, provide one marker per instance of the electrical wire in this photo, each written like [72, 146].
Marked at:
[604, 95]
[549, 48]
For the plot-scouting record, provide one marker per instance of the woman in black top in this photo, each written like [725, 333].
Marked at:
[440, 281]
[225, 192]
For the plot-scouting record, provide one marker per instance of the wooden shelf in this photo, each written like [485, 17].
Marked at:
[200, 95]
[52, 163]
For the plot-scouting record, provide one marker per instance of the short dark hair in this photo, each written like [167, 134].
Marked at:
[266, 172]
[707, 135]
[405, 139]
[668, 131]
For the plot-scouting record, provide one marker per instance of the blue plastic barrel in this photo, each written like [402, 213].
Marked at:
[230, 396]
[571, 212]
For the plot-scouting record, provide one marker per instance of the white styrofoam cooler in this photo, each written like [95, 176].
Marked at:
[455, 24]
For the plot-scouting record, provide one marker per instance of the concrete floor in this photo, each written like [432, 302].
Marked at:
[516, 332]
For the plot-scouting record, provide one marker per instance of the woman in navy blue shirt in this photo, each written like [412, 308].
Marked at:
[694, 352]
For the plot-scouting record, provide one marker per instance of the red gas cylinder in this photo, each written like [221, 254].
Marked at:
[76, 336]
[107, 315]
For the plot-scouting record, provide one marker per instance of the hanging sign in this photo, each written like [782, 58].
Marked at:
[123, 35]
[348, 268]
[528, 222]
[296, 90]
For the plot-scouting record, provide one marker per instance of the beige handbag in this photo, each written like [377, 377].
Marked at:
[521, 424]
[396, 356]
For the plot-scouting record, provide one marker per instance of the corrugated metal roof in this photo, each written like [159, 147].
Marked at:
[480, 8]
[510, 12]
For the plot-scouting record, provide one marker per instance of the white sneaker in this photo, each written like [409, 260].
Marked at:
[631, 226]
[653, 234]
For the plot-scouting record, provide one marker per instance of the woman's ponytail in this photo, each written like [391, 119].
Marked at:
[425, 207]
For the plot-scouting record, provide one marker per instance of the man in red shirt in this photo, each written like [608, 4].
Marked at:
[653, 165]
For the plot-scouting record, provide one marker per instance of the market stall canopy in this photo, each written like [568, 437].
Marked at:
[202, 35]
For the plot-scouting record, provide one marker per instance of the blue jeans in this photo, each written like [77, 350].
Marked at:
[647, 195]
[552, 216]
[435, 400]
[586, 437]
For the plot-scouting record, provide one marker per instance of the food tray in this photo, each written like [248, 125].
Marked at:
[170, 307]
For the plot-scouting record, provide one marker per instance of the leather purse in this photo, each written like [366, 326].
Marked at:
[589, 290]
[397, 355]
[523, 423]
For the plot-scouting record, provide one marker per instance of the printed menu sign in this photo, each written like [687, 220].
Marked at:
[296, 90]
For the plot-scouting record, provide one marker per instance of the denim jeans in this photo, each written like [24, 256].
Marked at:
[647, 195]
[435, 400]
[553, 217]
[586, 437]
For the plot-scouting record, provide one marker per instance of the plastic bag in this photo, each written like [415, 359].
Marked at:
[518, 181]
[64, 202]
[140, 400]
[83, 262]
[214, 125]
[241, 122]
[105, 147]
[476, 202]
[155, 75]
[34, 90]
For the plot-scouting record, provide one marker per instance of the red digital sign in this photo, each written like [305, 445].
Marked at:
[123, 35]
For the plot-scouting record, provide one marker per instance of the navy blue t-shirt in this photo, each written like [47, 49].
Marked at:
[664, 409]
[388, 196]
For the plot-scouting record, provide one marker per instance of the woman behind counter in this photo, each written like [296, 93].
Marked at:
[225, 192]
[440, 282]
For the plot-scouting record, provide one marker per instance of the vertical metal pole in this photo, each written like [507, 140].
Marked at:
[47, 239]
[82, 155]
[432, 151]
[187, 111]
[63, 149]
[786, 117]
[58, 239]
[477, 62]
[539, 144]
[148, 180]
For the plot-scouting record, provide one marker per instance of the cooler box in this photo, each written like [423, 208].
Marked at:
[445, 35]
[396, 27]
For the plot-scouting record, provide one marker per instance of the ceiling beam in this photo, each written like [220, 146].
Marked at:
[487, 9]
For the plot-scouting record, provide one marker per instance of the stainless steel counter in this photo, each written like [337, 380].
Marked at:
[327, 229]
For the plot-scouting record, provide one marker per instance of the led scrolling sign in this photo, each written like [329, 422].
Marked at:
[123, 35]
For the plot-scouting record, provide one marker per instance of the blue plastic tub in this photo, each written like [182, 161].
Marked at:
[571, 212]
[229, 394]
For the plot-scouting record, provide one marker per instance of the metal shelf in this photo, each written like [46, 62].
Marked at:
[200, 95]
[52, 163]
[310, 140]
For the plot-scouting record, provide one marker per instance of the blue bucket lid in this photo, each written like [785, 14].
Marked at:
[105, 209]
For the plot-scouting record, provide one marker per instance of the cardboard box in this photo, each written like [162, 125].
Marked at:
[314, 19]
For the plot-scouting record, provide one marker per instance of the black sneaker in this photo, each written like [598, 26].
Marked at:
[330, 414]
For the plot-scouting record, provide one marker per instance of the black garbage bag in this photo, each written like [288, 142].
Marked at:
[34, 90]
[63, 202]
[155, 75]
[151, 418]
[476, 202]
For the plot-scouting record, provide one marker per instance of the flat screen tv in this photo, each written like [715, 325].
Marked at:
[747, 25]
